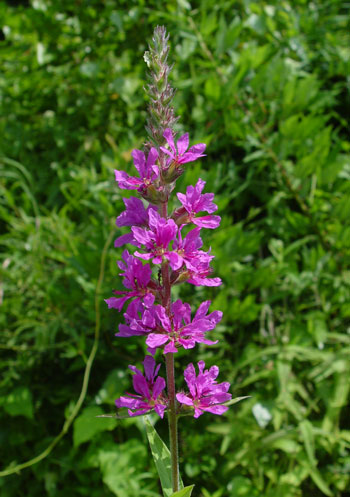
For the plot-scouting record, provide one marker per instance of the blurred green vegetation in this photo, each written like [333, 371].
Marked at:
[264, 85]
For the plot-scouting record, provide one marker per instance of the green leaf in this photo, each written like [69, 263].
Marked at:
[19, 403]
[236, 400]
[212, 88]
[306, 431]
[87, 425]
[122, 467]
[162, 460]
[240, 486]
[184, 492]
[307, 434]
[287, 445]
[319, 481]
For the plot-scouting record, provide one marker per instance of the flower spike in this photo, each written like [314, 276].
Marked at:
[174, 255]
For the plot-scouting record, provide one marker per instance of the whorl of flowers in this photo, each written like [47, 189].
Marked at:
[169, 251]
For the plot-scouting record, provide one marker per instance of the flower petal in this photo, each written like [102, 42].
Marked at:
[184, 399]
[127, 402]
[182, 144]
[141, 386]
[215, 409]
[170, 348]
[168, 135]
[158, 387]
[160, 408]
[209, 222]
[156, 340]
[149, 364]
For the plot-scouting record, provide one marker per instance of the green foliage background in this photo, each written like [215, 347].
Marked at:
[264, 85]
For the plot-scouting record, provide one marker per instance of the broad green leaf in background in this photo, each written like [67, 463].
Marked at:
[121, 469]
[19, 402]
[240, 486]
[87, 425]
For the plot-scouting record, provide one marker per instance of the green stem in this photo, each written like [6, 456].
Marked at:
[170, 372]
[172, 419]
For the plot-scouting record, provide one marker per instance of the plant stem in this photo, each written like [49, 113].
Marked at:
[170, 373]
[172, 419]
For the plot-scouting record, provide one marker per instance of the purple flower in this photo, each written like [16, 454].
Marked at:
[194, 202]
[198, 275]
[157, 240]
[147, 170]
[140, 320]
[149, 389]
[180, 156]
[134, 215]
[161, 238]
[205, 394]
[187, 249]
[178, 330]
[137, 278]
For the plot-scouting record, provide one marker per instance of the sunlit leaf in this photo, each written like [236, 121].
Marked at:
[161, 457]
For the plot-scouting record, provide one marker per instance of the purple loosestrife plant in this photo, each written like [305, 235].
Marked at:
[167, 248]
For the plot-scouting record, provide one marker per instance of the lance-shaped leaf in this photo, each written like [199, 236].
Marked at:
[184, 492]
[236, 400]
[162, 460]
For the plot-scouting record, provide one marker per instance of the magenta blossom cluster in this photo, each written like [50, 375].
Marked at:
[169, 251]
[205, 393]
[149, 390]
